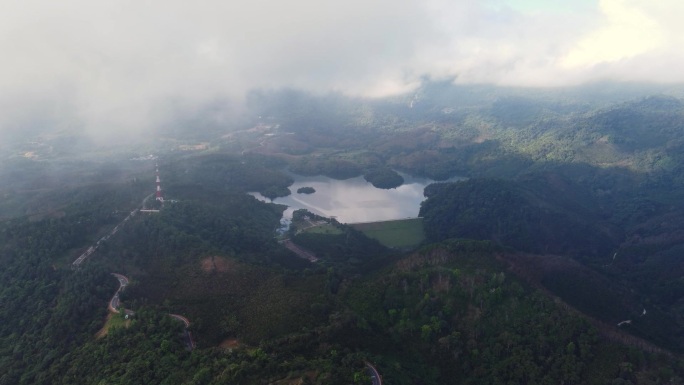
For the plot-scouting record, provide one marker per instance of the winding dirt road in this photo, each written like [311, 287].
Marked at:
[373, 374]
[115, 303]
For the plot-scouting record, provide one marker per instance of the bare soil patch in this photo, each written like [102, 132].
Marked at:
[103, 332]
[109, 323]
[216, 264]
[311, 375]
[230, 343]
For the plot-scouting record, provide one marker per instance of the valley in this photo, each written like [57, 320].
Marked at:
[552, 222]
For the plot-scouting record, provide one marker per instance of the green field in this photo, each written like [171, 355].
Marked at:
[114, 321]
[326, 228]
[402, 233]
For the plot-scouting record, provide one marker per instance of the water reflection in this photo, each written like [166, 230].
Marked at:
[354, 200]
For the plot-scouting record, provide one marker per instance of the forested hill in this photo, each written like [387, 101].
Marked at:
[449, 313]
[568, 223]
[594, 173]
[443, 130]
[518, 215]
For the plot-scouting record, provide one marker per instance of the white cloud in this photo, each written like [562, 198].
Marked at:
[628, 32]
[122, 66]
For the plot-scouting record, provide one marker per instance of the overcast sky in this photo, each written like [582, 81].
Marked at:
[121, 65]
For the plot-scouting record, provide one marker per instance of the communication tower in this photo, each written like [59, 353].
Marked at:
[160, 195]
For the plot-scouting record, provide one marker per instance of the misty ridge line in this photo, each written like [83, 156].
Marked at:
[121, 70]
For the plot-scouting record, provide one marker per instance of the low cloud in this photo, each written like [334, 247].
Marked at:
[120, 68]
[628, 32]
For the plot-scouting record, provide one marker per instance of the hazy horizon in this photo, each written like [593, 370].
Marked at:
[113, 69]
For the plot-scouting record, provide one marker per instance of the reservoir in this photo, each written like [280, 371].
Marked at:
[354, 200]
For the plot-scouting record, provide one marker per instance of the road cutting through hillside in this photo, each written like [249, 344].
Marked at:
[115, 303]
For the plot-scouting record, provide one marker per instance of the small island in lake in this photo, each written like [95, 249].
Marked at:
[384, 177]
[306, 190]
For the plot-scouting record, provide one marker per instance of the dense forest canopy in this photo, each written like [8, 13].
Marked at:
[568, 223]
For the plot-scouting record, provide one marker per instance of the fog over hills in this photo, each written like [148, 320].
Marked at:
[546, 138]
[128, 68]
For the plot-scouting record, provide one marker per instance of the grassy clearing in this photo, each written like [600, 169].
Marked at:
[403, 233]
[113, 321]
[326, 228]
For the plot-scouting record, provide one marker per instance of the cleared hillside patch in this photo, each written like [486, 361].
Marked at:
[113, 321]
[400, 234]
[325, 228]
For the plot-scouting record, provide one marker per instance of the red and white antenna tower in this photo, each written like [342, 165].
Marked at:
[160, 196]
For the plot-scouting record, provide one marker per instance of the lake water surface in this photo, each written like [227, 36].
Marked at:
[354, 200]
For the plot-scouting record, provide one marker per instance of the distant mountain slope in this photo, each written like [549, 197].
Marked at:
[513, 214]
